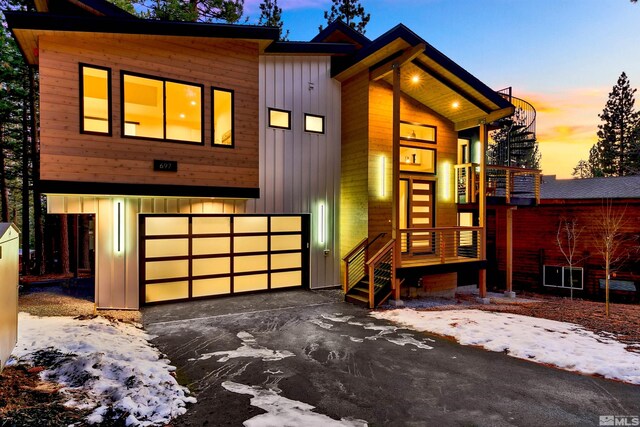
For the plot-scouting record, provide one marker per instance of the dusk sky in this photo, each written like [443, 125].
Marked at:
[563, 56]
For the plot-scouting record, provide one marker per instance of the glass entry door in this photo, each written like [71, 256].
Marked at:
[416, 211]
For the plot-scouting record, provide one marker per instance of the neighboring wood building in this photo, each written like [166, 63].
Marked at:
[218, 160]
[538, 263]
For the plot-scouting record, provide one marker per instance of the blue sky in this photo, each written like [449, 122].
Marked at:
[561, 55]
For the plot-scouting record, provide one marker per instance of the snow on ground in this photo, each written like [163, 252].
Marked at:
[565, 345]
[249, 348]
[103, 366]
[283, 412]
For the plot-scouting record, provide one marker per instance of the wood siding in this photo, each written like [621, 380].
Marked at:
[300, 171]
[534, 242]
[68, 155]
[380, 144]
[354, 180]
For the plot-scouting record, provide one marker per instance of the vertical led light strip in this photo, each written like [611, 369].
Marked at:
[321, 224]
[118, 225]
[445, 184]
[383, 191]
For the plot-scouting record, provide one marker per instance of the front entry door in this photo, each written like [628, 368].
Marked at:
[416, 211]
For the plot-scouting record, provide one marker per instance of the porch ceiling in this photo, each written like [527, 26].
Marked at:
[446, 94]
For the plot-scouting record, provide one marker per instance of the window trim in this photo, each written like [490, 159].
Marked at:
[281, 111]
[418, 140]
[164, 80]
[316, 116]
[563, 267]
[81, 66]
[233, 117]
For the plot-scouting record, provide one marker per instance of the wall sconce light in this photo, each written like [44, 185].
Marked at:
[118, 225]
[321, 224]
[383, 189]
[445, 181]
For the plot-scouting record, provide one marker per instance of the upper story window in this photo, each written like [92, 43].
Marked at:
[161, 109]
[222, 117]
[417, 132]
[95, 99]
[417, 154]
[313, 123]
[280, 119]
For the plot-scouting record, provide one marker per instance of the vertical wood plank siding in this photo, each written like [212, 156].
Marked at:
[300, 170]
[68, 155]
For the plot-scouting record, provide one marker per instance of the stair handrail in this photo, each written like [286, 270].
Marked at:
[529, 112]
[356, 249]
[371, 265]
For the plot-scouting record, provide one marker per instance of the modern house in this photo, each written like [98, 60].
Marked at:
[218, 160]
[537, 261]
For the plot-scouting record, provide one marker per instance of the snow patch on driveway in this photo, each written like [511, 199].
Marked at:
[565, 345]
[285, 412]
[249, 348]
[102, 365]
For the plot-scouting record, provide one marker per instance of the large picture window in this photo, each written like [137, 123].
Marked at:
[95, 99]
[222, 117]
[161, 109]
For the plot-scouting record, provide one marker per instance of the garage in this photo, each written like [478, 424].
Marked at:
[193, 256]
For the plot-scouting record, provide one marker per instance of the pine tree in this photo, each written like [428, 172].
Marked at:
[349, 11]
[229, 11]
[617, 152]
[271, 16]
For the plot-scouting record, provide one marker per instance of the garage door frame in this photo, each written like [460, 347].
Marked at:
[305, 226]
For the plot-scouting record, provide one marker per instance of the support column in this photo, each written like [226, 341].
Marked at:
[482, 208]
[395, 164]
[509, 292]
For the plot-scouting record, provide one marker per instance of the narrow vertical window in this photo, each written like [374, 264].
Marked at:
[222, 117]
[95, 99]
[313, 123]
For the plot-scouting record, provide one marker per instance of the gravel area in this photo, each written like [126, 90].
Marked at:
[62, 301]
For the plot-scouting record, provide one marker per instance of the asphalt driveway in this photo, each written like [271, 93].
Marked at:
[277, 354]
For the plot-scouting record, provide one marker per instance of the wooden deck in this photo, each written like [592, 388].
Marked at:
[429, 260]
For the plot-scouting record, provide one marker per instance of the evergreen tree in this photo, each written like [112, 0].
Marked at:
[229, 11]
[582, 170]
[349, 11]
[617, 152]
[271, 16]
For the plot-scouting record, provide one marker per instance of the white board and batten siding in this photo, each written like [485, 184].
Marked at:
[300, 171]
[117, 273]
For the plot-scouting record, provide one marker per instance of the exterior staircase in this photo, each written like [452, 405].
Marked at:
[369, 281]
[518, 134]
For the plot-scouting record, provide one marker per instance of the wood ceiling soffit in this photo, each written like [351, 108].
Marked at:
[407, 56]
[454, 87]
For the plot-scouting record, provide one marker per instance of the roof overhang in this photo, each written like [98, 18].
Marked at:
[27, 27]
[427, 76]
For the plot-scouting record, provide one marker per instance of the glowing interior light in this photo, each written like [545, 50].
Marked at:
[321, 224]
[118, 225]
[383, 191]
[182, 116]
[445, 181]
[194, 103]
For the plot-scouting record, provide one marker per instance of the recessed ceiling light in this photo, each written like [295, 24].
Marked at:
[455, 104]
[193, 102]
[415, 78]
[182, 116]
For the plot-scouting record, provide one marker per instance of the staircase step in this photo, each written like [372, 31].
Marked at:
[357, 299]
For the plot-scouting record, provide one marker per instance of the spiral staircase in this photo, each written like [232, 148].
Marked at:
[519, 131]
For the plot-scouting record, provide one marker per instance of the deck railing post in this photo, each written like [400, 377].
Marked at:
[372, 279]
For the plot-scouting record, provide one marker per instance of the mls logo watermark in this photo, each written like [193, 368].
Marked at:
[619, 420]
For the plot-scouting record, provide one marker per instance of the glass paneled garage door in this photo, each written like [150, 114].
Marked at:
[188, 256]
